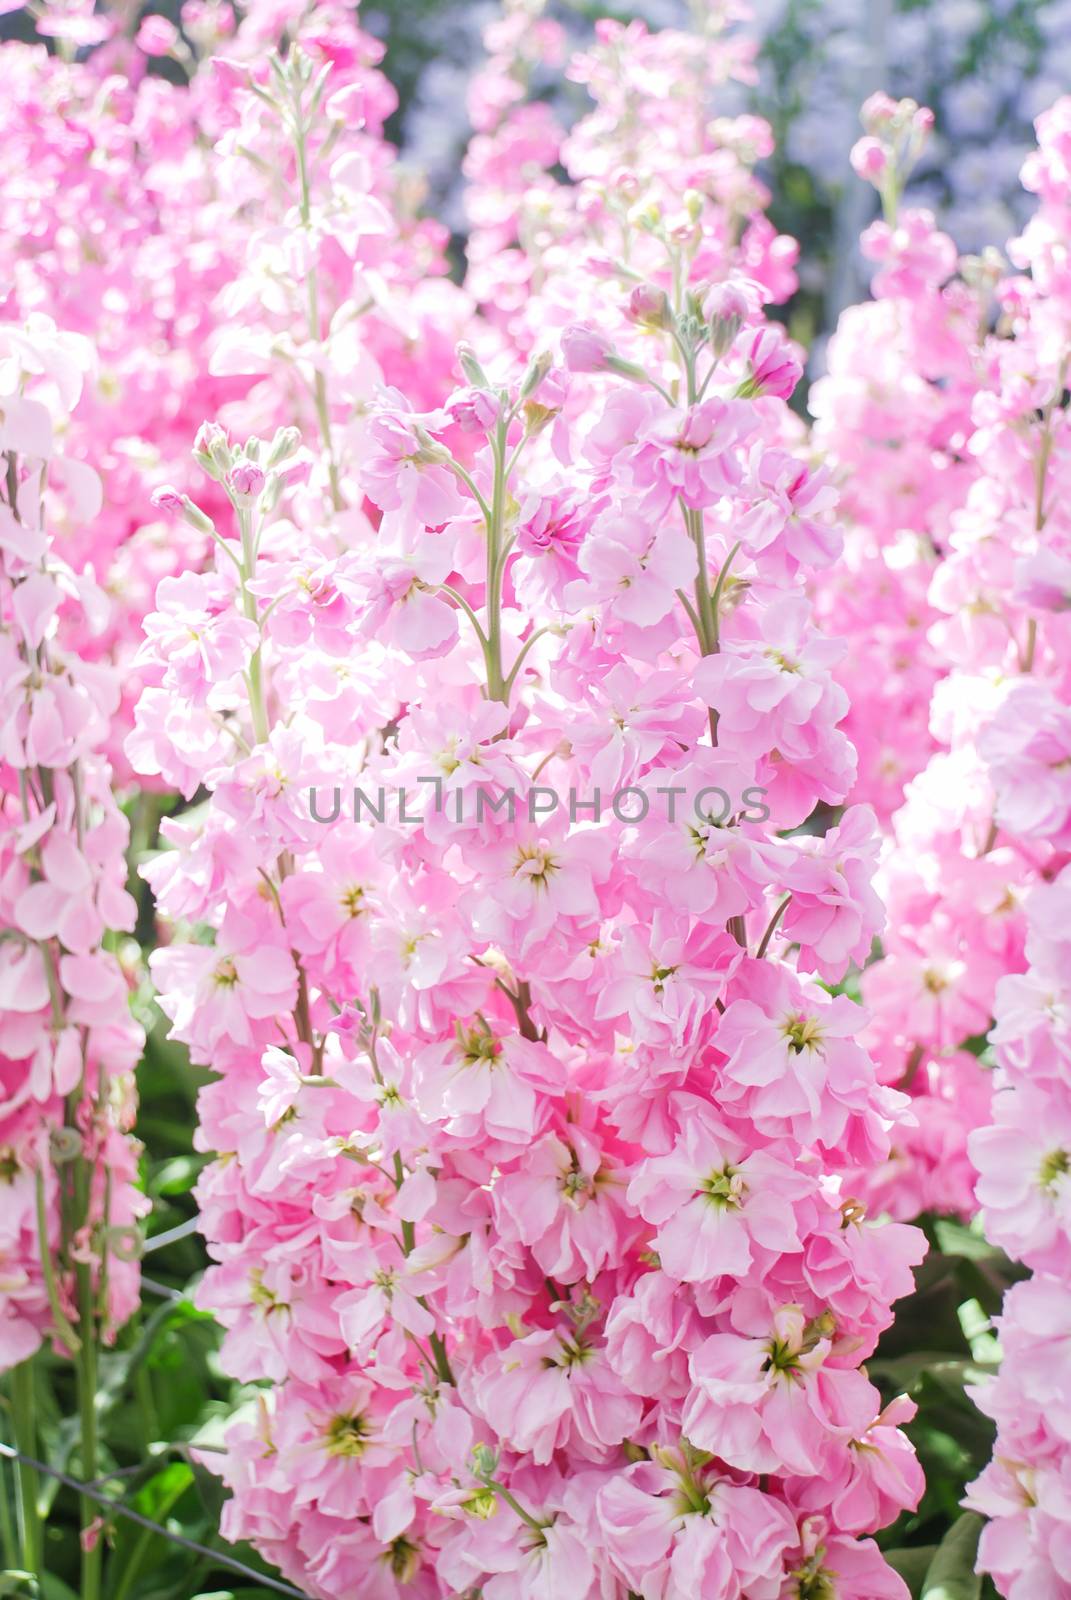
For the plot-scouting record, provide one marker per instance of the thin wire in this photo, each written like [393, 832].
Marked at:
[161, 1289]
[172, 1236]
[116, 1506]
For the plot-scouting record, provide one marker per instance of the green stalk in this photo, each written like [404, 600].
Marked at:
[86, 1377]
[496, 683]
[23, 1405]
[435, 1339]
[515, 1505]
[323, 416]
[249, 606]
[7, 1527]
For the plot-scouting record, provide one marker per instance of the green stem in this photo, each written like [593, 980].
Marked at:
[719, 589]
[312, 290]
[7, 1527]
[438, 1346]
[911, 1067]
[24, 1409]
[257, 706]
[150, 1425]
[86, 1376]
[459, 600]
[496, 683]
[60, 1322]
[704, 600]
[472, 486]
[519, 663]
[515, 1505]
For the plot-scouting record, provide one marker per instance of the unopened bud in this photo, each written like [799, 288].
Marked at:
[212, 451]
[431, 452]
[246, 480]
[649, 306]
[647, 216]
[167, 498]
[282, 447]
[472, 369]
[537, 371]
[726, 307]
[180, 505]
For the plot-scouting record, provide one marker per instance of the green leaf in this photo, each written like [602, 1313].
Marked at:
[957, 1239]
[948, 1370]
[912, 1563]
[951, 1575]
[54, 1588]
[177, 1175]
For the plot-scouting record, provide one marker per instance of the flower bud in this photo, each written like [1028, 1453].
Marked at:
[474, 410]
[726, 307]
[869, 159]
[625, 183]
[585, 349]
[212, 451]
[157, 36]
[168, 498]
[649, 306]
[282, 447]
[878, 112]
[472, 369]
[538, 368]
[246, 480]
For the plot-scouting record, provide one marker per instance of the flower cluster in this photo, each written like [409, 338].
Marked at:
[537, 1203]
[970, 543]
[1024, 1157]
[641, 164]
[562, 735]
[67, 1041]
[111, 225]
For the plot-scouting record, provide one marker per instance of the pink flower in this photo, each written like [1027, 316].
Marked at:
[869, 159]
[691, 454]
[718, 1208]
[246, 479]
[772, 365]
[834, 914]
[157, 36]
[762, 1402]
[474, 410]
[557, 1391]
[585, 349]
[478, 1082]
[632, 569]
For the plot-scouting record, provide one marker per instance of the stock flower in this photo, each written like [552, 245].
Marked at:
[532, 1136]
[771, 365]
[691, 455]
[762, 1399]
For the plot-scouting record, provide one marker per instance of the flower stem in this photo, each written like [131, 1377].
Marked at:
[86, 1375]
[24, 1410]
[515, 1505]
[496, 683]
[257, 707]
[312, 289]
[771, 928]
